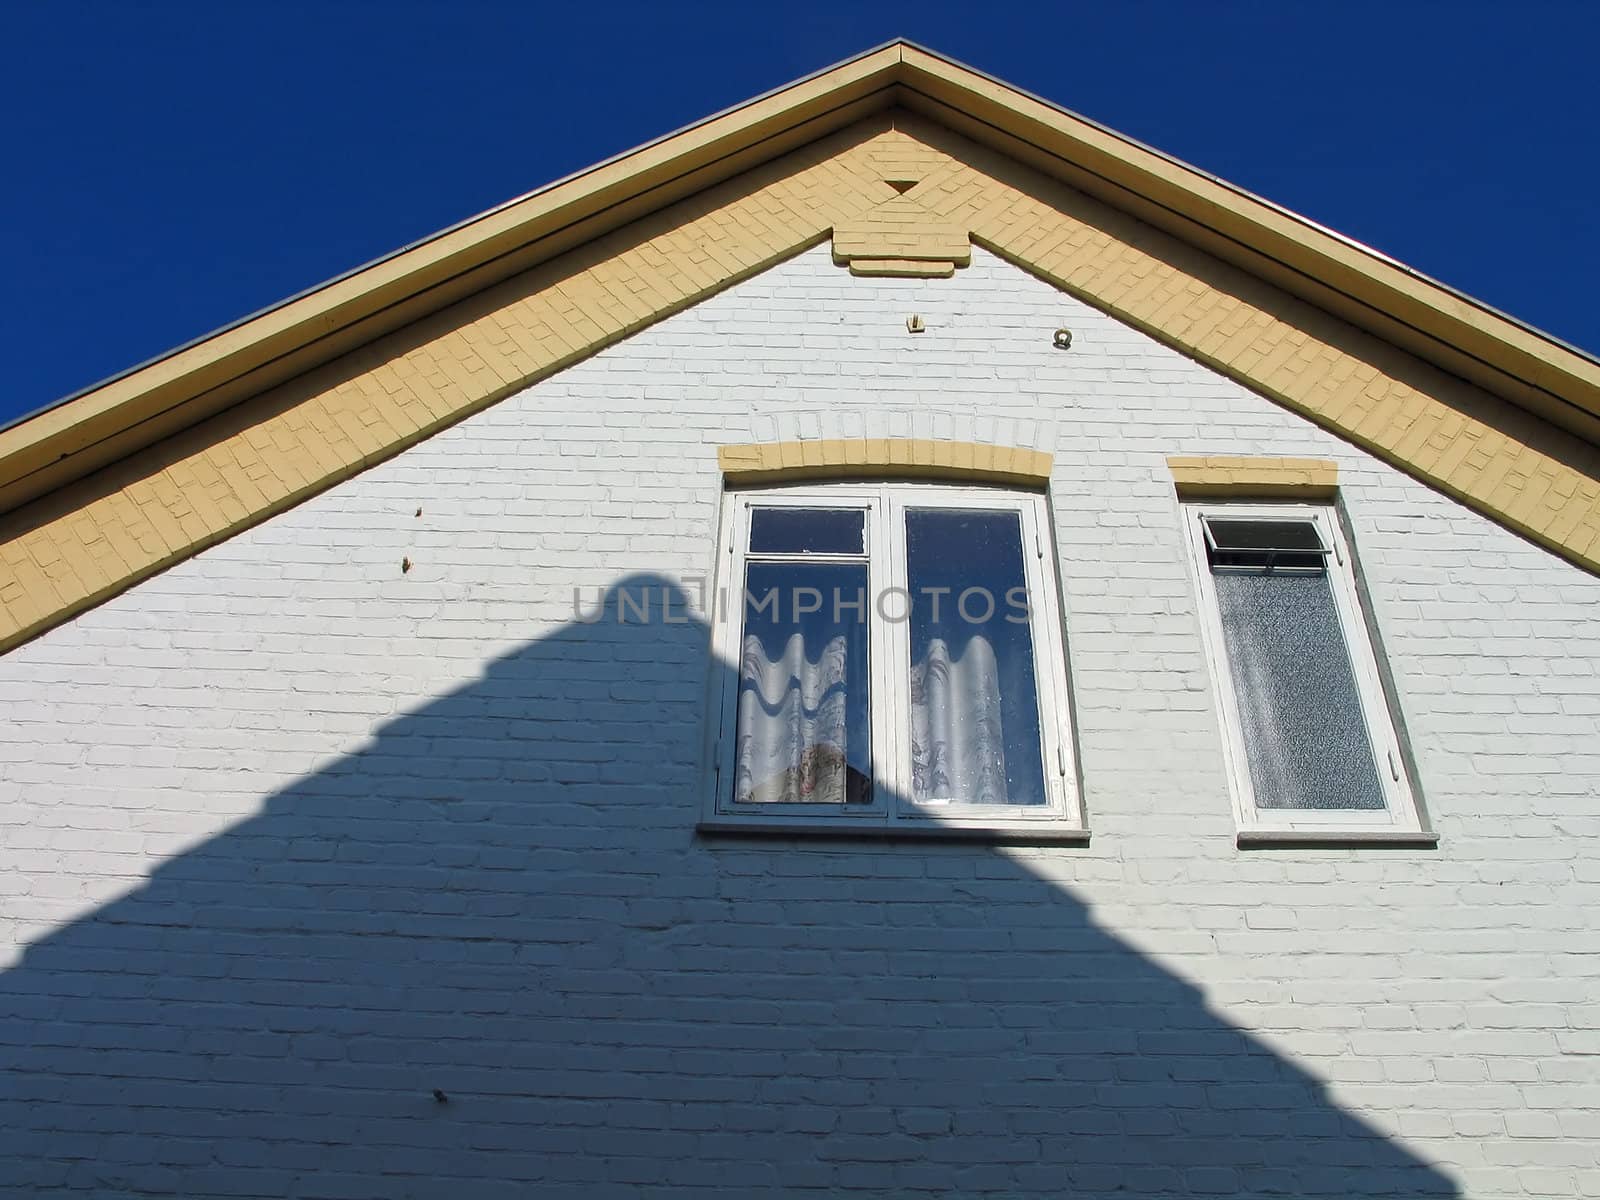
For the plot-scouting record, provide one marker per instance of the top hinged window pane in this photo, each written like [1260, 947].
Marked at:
[1243, 542]
[788, 530]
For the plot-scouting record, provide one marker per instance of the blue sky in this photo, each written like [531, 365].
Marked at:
[172, 167]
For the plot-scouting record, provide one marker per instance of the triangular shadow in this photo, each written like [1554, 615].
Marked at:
[502, 897]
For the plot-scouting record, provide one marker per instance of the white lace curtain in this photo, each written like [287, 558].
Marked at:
[792, 741]
[957, 745]
[791, 726]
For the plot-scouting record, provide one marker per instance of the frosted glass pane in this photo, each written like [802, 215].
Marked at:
[1303, 731]
[974, 701]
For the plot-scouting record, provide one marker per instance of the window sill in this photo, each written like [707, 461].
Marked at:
[1017, 834]
[1259, 839]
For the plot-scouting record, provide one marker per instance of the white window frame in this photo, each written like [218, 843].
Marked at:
[1400, 814]
[893, 810]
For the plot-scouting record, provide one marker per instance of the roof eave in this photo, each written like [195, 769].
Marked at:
[1372, 290]
[70, 438]
[111, 420]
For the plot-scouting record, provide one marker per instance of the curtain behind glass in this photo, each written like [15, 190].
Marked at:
[802, 732]
[974, 701]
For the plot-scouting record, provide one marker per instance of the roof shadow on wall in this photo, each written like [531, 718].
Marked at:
[502, 898]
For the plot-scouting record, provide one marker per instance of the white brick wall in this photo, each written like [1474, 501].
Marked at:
[291, 838]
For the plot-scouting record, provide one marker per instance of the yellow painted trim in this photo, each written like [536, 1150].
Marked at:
[1368, 289]
[62, 444]
[902, 268]
[888, 458]
[119, 418]
[84, 543]
[92, 537]
[1268, 478]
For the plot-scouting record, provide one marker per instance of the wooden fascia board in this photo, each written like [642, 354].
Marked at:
[1255, 262]
[254, 378]
[127, 413]
[1508, 353]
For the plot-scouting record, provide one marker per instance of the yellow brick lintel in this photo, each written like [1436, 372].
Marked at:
[1221, 476]
[902, 268]
[892, 458]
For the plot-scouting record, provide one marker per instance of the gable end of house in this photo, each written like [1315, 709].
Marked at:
[903, 160]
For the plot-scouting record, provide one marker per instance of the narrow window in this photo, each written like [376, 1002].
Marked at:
[972, 691]
[803, 736]
[893, 662]
[1311, 741]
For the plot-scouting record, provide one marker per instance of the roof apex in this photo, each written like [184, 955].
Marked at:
[109, 420]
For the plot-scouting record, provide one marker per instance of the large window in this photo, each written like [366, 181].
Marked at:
[1310, 740]
[893, 662]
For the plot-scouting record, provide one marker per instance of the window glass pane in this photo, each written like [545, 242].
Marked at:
[1298, 702]
[1236, 542]
[807, 531]
[974, 702]
[802, 733]
[1232, 533]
